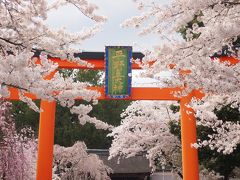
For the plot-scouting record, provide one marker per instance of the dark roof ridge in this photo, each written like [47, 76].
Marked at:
[95, 55]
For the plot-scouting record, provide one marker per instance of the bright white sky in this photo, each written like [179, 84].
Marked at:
[116, 11]
[112, 34]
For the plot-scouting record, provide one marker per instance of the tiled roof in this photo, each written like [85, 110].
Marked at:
[136, 164]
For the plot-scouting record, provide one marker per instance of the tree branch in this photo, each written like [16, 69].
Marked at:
[14, 86]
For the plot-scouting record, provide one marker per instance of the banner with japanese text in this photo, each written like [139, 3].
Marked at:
[118, 71]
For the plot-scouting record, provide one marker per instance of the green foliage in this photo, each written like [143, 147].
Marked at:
[213, 160]
[174, 126]
[68, 130]
[224, 164]
[189, 25]
[84, 75]
[93, 77]
[174, 108]
[24, 116]
[227, 113]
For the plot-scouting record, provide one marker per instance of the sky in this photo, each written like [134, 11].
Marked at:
[112, 34]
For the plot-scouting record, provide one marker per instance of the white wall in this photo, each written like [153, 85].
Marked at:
[164, 176]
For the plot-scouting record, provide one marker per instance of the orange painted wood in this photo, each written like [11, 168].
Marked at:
[198, 94]
[14, 94]
[144, 93]
[46, 137]
[232, 60]
[98, 64]
[46, 140]
[138, 93]
[188, 136]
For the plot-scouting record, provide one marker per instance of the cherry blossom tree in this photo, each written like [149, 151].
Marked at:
[75, 163]
[146, 128]
[23, 32]
[18, 153]
[217, 26]
[17, 150]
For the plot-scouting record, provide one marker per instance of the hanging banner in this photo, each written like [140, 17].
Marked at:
[118, 71]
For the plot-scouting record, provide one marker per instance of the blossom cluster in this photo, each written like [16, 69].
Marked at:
[75, 163]
[145, 128]
[17, 150]
[23, 33]
[209, 26]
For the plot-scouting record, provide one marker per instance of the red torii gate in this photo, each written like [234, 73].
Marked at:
[188, 122]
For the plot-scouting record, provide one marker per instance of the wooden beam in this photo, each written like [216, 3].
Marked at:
[97, 63]
[138, 93]
[231, 60]
[144, 93]
[100, 64]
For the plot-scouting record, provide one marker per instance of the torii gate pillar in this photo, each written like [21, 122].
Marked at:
[188, 137]
[46, 140]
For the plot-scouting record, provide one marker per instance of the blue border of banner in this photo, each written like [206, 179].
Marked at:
[129, 49]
